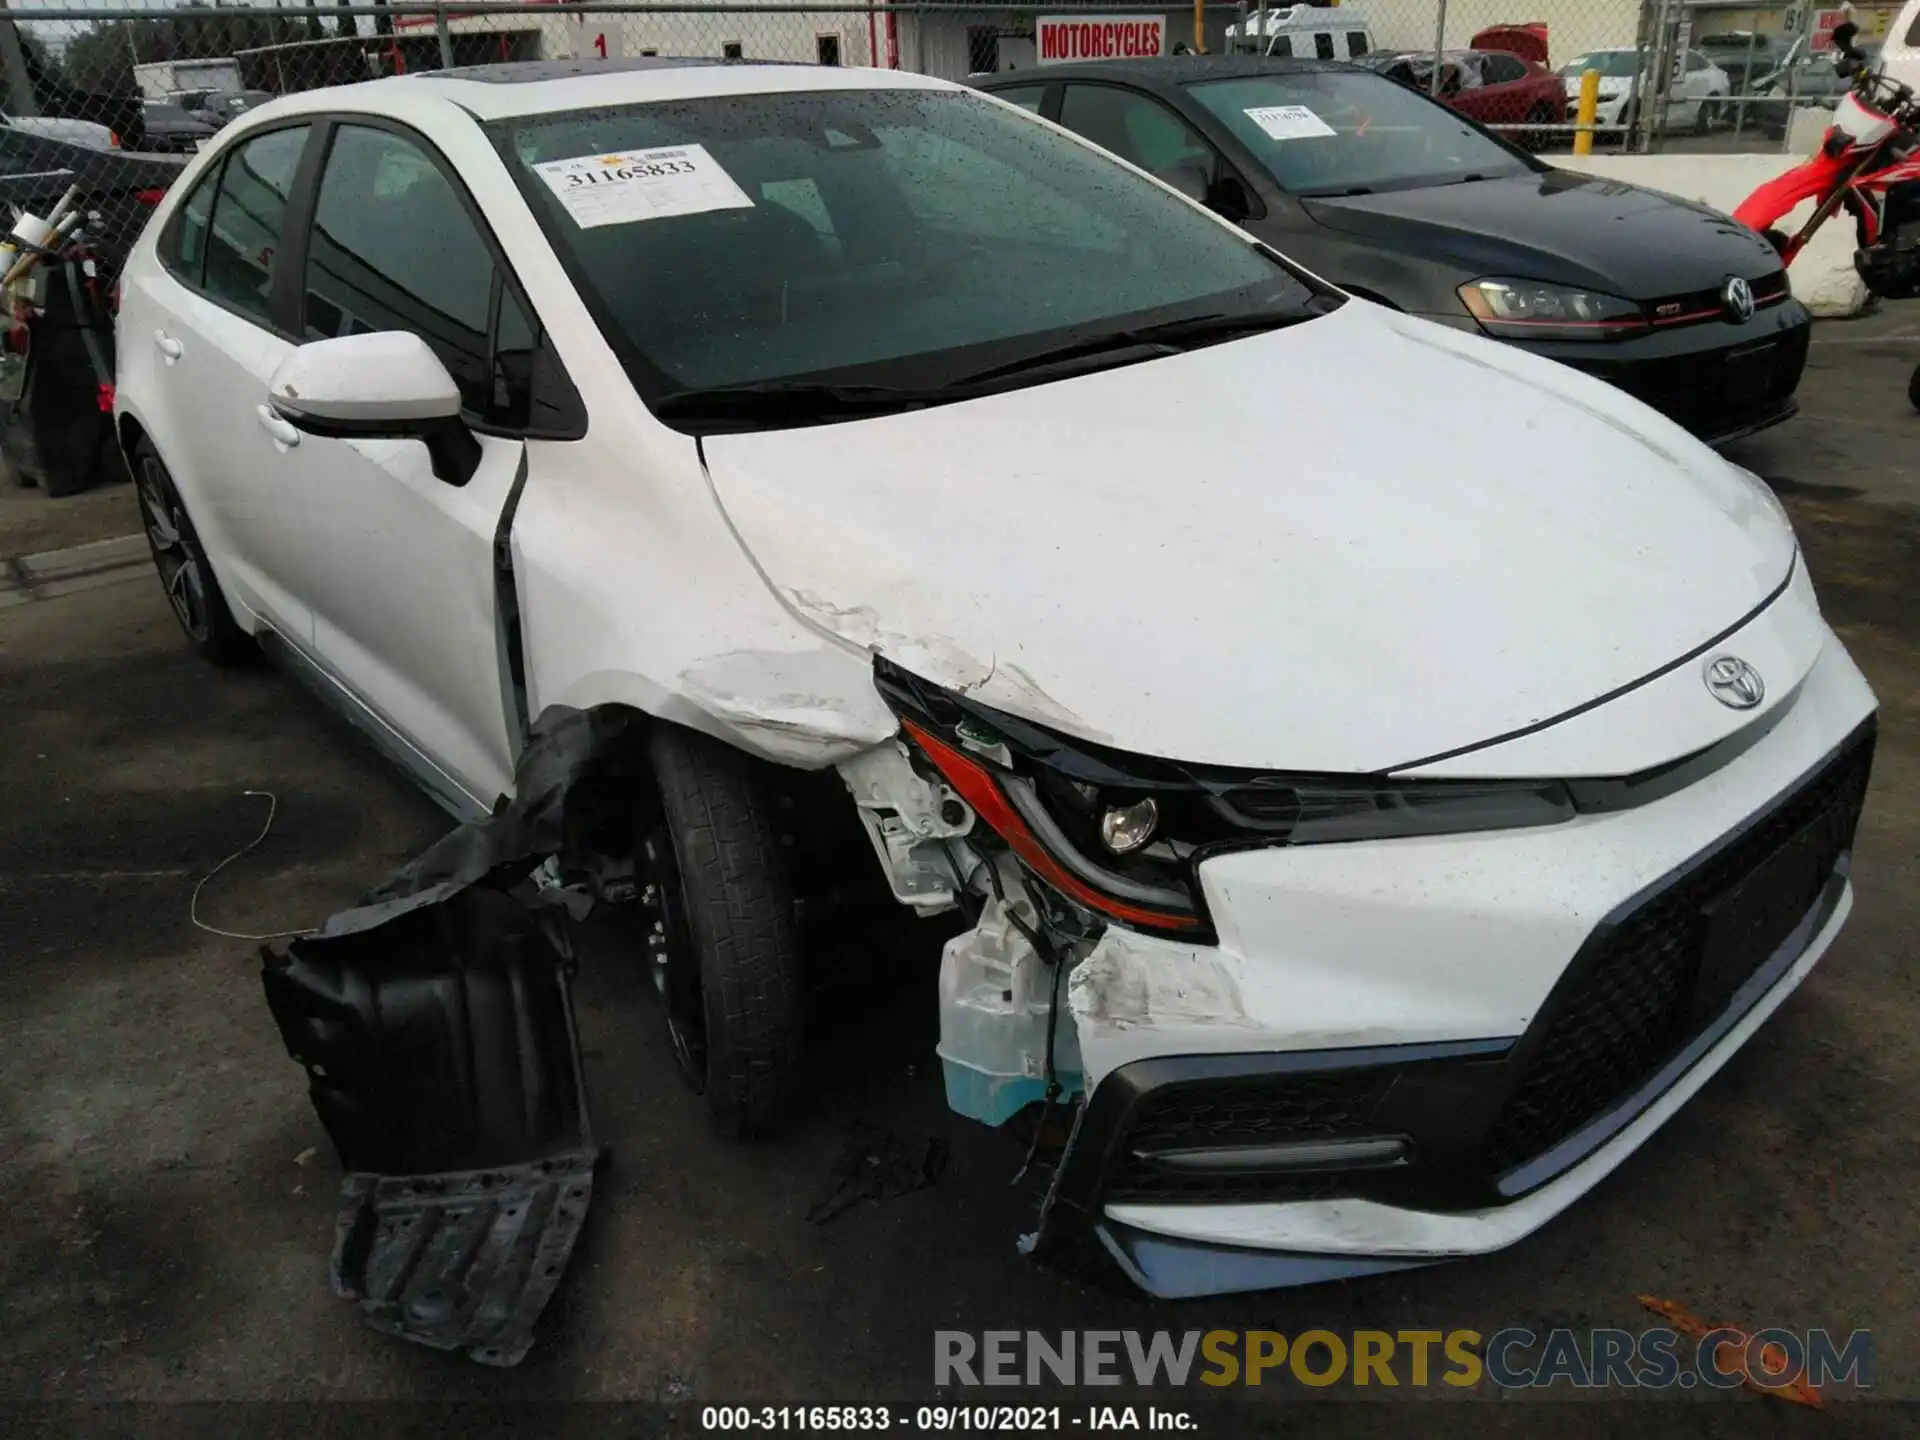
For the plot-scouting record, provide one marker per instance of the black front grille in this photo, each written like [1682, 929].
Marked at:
[1629, 1005]
[1697, 307]
[1257, 1110]
[1714, 391]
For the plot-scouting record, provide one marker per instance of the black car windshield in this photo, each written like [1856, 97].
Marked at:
[1349, 132]
[869, 239]
[1615, 64]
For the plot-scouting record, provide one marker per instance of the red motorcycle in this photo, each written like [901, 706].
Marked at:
[1869, 162]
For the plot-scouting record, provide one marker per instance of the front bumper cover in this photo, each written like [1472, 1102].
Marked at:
[1661, 992]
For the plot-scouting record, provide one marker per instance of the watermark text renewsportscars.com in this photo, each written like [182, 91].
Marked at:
[1514, 1357]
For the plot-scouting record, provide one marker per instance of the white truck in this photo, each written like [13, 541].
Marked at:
[158, 79]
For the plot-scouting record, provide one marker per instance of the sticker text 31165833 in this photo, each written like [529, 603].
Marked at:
[621, 188]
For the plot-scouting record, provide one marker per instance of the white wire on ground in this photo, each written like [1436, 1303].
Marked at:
[193, 906]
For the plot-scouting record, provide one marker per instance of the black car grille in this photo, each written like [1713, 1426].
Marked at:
[1712, 392]
[1629, 1008]
[1265, 1109]
[1699, 306]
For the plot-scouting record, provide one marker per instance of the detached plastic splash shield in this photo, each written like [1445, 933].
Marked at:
[435, 1023]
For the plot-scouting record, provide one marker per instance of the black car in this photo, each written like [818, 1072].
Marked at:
[174, 130]
[223, 106]
[1404, 202]
[118, 187]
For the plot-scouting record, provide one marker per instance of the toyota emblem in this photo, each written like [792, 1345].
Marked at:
[1739, 297]
[1735, 683]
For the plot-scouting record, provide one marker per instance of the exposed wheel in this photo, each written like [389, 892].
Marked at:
[191, 588]
[1705, 115]
[722, 941]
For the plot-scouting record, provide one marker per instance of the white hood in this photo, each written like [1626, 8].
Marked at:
[1341, 547]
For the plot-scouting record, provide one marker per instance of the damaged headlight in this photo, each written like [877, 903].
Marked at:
[1124, 835]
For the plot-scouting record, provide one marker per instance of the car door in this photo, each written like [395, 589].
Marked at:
[206, 318]
[402, 590]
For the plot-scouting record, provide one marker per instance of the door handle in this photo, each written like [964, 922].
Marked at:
[167, 345]
[282, 432]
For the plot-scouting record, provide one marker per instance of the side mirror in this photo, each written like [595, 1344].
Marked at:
[1230, 199]
[364, 387]
[1192, 181]
[388, 385]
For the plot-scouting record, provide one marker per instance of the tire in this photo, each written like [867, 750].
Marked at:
[1539, 138]
[191, 587]
[1704, 116]
[725, 945]
[1913, 388]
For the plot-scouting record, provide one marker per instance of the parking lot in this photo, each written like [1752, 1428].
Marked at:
[169, 1193]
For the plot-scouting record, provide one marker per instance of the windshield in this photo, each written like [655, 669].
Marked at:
[1348, 132]
[896, 238]
[1617, 64]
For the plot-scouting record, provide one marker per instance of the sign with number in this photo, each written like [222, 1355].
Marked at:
[595, 39]
[636, 185]
[1062, 38]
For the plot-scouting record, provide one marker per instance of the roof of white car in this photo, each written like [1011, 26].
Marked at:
[539, 87]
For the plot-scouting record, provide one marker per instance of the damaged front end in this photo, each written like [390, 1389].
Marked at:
[435, 1023]
[1094, 959]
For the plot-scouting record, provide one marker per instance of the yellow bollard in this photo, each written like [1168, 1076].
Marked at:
[1583, 117]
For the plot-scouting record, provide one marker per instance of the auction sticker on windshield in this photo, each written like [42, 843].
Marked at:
[633, 185]
[1289, 122]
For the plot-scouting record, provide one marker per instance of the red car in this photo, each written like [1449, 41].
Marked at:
[1492, 83]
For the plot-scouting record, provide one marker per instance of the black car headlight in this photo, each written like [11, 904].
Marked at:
[1124, 836]
[1530, 310]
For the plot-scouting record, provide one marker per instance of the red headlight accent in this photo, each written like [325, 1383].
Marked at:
[976, 785]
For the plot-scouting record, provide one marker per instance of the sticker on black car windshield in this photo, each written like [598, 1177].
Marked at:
[1289, 122]
[623, 187]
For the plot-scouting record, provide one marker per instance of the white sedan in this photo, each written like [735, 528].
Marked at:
[1374, 836]
[1695, 95]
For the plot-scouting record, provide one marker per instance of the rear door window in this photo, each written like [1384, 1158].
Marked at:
[1027, 97]
[1134, 127]
[244, 233]
[183, 248]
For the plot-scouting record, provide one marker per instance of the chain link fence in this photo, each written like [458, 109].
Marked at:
[151, 84]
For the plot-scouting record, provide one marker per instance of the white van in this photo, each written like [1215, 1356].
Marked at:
[1308, 31]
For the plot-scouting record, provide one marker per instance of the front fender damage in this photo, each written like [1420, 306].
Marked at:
[435, 1022]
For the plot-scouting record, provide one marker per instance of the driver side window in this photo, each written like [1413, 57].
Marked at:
[393, 247]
